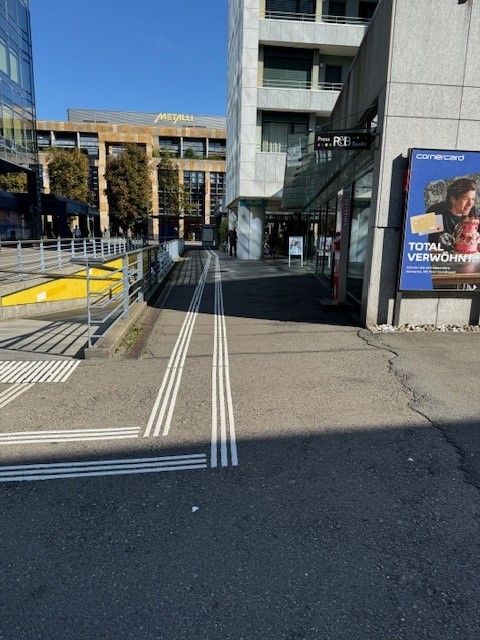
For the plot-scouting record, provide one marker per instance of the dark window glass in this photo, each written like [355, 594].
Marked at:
[284, 67]
[333, 73]
[290, 8]
[65, 140]
[366, 9]
[195, 183]
[193, 148]
[172, 145]
[217, 190]
[277, 126]
[336, 8]
[216, 148]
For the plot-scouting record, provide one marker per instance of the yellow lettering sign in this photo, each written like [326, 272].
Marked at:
[175, 117]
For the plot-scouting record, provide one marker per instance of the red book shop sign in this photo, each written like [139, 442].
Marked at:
[342, 140]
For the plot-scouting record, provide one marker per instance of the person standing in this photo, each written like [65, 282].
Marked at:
[232, 241]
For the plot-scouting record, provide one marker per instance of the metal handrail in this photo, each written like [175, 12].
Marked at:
[24, 259]
[311, 17]
[141, 269]
[330, 86]
[346, 20]
[288, 15]
[287, 84]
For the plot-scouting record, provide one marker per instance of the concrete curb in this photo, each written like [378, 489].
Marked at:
[105, 347]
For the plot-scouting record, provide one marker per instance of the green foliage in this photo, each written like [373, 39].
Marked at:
[189, 153]
[223, 230]
[174, 198]
[14, 182]
[68, 173]
[129, 186]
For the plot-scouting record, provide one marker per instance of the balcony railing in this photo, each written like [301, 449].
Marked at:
[330, 86]
[310, 17]
[267, 146]
[286, 15]
[287, 84]
[346, 20]
[268, 83]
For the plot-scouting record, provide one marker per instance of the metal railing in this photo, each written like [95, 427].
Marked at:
[311, 17]
[330, 86]
[269, 83]
[28, 259]
[287, 84]
[289, 15]
[108, 275]
[351, 20]
[111, 291]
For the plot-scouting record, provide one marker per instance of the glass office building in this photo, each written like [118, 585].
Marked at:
[17, 119]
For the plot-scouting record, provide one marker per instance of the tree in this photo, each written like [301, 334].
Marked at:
[174, 198]
[129, 186]
[68, 173]
[14, 182]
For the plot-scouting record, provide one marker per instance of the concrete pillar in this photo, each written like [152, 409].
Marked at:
[251, 229]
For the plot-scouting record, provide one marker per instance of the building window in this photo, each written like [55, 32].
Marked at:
[89, 143]
[65, 140]
[290, 9]
[362, 196]
[193, 148]
[217, 149]
[171, 145]
[44, 139]
[217, 190]
[14, 67]
[289, 68]
[166, 205]
[93, 183]
[114, 150]
[337, 8]
[366, 10]
[3, 57]
[276, 127]
[195, 183]
[333, 74]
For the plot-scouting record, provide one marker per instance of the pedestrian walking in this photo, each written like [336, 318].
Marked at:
[232, 240]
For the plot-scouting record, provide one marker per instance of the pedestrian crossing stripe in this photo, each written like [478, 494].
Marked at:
[29, 371]
[68, 435]
[91, 468]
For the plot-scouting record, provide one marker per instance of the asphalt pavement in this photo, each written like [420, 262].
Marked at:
[252, 466]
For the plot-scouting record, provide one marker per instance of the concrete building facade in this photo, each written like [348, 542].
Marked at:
[287, 61]
[196, 144]
[414, 84]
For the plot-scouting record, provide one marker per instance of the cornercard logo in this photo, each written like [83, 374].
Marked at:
[440, 156]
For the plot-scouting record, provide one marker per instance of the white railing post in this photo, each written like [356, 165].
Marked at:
[125, 292]
[140, 280]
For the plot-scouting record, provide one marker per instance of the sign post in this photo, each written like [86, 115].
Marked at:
[295, 248]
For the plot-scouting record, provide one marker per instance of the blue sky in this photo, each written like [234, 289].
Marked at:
[147, 55]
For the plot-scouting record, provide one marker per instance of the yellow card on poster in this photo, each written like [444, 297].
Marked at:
[424, 223]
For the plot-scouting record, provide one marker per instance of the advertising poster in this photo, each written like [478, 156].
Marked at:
[441, 235]
[295, 247]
